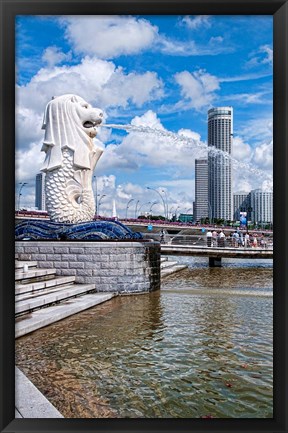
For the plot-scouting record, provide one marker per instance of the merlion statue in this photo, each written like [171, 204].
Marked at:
[71, 155]
[70, 125]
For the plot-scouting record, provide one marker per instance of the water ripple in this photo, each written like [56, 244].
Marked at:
[185, 352]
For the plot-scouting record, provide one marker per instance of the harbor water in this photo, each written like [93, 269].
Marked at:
[200, 347]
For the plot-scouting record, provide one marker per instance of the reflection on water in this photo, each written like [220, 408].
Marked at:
[202, 346]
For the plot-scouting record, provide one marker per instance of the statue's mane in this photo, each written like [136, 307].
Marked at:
[63, 129]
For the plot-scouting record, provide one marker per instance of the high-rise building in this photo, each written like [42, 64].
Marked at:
[262, 206]
[258, 204]
[201, 189]
[194, 210]
[40, 192]
[241, 203]
[220, 133]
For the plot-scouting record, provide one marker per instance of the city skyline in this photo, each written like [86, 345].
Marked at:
[257, 204]
[166, 76]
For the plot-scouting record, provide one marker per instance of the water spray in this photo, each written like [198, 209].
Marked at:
[191, 143]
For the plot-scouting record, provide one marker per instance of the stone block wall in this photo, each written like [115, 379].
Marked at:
[114, 266]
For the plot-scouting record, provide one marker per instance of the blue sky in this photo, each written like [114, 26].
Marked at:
[164, 72]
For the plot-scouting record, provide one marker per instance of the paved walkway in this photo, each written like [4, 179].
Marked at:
[29, 401]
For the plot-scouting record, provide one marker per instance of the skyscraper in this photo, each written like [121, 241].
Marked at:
[241, 203]
[40, 191]
[220, 132]
[201, 189]
[262, 206]
[257, 203]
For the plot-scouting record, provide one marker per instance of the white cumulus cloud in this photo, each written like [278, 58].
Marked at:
[198, 88]
[156, 149]
[28, 162]
[28, 126]
[240, 150]
[148, 119]
[96, 80]
[54, 55]
[263, 155]
[195, 22]
[108, 37]
[263, 56]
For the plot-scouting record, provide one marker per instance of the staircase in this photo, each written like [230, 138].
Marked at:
[42, 297]
[168, 267]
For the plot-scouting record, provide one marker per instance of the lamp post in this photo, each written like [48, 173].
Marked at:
[152, 189]
[186, 212]
[128, 206]
[22, 184]
[149, 202]
[96, 193]
[178, 207]
[150, 210]
[170, 212]
[138, 201]
[99, 202]
[166, 210]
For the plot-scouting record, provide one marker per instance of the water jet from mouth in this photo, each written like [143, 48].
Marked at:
[191, 143]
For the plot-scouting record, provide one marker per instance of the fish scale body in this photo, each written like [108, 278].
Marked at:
[67, 200]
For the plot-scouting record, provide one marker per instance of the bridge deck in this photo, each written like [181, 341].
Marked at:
[217, 252]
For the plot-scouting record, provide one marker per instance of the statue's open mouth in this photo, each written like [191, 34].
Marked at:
[90, 124]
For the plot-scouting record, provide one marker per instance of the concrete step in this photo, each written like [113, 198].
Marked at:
[20, 264]
[42, 285]
[43, 292]
[168, 264]
[33, 275]
[163, 259]
[46, 316]
[60, 294]
[172, 270]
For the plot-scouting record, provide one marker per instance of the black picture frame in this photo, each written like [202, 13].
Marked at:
[279, 10]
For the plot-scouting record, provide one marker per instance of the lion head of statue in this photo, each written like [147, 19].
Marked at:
[69, 121]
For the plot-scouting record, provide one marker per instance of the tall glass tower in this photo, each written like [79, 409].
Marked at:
[201, 189]
[220, 135]
[40, 191]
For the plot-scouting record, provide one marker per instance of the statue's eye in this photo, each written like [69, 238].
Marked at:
[85, 105]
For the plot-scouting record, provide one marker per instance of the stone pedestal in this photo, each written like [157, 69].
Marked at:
[125, 267]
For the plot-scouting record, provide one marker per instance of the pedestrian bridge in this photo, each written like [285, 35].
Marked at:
[215, 254]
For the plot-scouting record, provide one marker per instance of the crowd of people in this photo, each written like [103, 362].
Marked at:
[236, 239]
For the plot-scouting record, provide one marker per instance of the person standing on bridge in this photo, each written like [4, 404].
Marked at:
[221, 239]
[241, 240]
[246, 240]
[214, 238]
[235, 238]
[262, 241]
[255, 242]
[209, 238]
